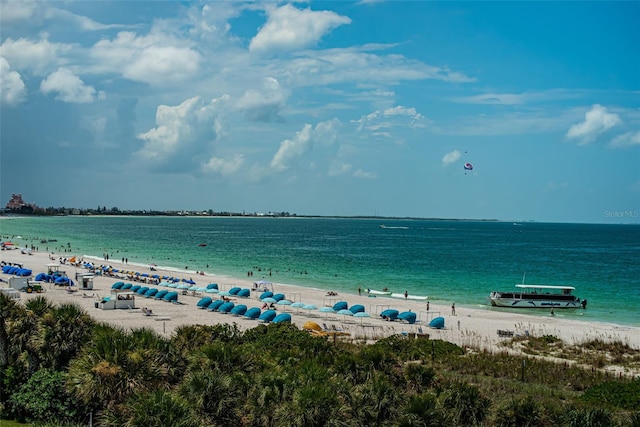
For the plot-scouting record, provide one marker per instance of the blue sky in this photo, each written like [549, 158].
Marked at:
[328, 108]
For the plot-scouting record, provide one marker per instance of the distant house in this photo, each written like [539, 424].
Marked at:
[16, 204]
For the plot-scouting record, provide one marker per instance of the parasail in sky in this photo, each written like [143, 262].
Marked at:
[468, 166]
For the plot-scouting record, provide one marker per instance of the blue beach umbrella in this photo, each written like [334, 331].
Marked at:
[361, 315]
[226, 307]
[239, 310]
[326, 311]
[297, 305]
[267, 316]
[204, 302]
[282, 318]
[215, 305]
[253, 313]
[266, 294]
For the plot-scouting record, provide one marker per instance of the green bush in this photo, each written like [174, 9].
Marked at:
[43, 398]
[616, 394]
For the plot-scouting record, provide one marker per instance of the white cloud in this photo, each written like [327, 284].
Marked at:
[12, 88]
[224, 166]
[264, 104]
[627, 139]
[69, 87]
[363, 64]
[339, 168]
[363, 174]
[394, 117]
[519, 98]
[288, 28]
[82, 22]
[174, 127]
[40, 57]
[156, 59]
[324, 133]
[596, 121]
[292, 148]
[451, 157]
[14, 11]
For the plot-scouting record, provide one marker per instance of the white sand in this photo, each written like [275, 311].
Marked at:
[475, 328]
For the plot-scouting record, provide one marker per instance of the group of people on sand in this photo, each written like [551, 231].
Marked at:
[147, 311]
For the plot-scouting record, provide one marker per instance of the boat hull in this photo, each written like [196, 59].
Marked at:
[410, 297]
[533, 303]
[374, 292]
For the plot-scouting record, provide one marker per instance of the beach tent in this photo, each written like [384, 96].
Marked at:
[135, 288]
[340, 305]
[234, 290]
[267, 316]
[215, 305]
[244, 293]
[252, 313]
[278, 297]
[142, 290]
[282, 318]
[204, 302]
[212, 286]
[267, 294]
[389, 314]
[407, 316]
[263, 285]
[160, 294]
[151, 292]
[126, 286]
[437, 323]
[358, 308]
[226, 307]
[239, 310]
[170, 297]
[117, 285]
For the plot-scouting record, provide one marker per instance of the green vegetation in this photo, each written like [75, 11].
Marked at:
[58, 367]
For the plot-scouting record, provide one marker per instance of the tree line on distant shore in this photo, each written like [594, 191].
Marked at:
[58, 366]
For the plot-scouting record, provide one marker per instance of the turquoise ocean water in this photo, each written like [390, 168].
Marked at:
[450, 261]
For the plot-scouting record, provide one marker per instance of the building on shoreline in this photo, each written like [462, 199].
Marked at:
[17, 204]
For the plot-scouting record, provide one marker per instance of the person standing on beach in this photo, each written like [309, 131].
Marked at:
[359, 290]
[427, 305]
[406, 294]
[552, 313]
[453, 309]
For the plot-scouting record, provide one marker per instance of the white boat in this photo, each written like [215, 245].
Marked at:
[411, 297]
[538, 296]
[397, 228]
[375, 292]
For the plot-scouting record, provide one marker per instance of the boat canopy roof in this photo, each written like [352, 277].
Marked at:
[544, 287]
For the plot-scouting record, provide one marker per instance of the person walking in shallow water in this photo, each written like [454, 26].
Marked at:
[406, 294]
[552, 313]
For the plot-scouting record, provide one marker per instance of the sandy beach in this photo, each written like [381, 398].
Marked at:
[469, 327]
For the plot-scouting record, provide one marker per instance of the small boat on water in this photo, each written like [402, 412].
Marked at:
[398, 228]
[409, 296]
[202, 245]
[538, 296]
[375, 292]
